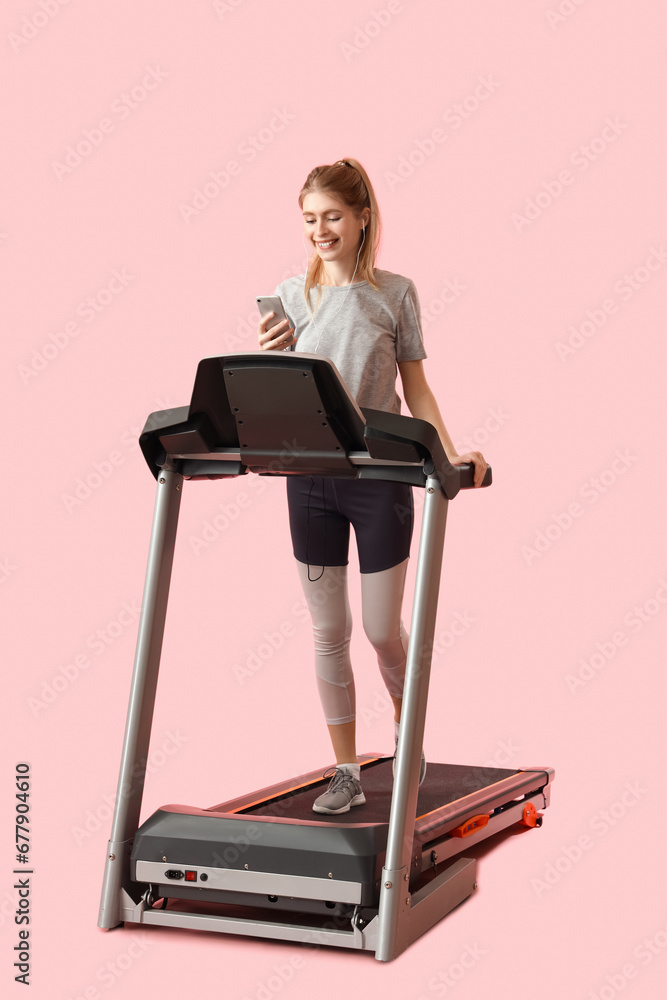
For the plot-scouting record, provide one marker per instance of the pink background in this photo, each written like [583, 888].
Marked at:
[562, 110]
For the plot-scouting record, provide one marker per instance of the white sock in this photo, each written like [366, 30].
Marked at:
[353, 769]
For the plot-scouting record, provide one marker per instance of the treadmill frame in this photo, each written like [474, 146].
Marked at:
[402, 916]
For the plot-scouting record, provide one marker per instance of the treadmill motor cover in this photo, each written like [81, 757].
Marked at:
[346, 852]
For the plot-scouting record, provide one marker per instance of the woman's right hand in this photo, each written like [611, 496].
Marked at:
[276, 337]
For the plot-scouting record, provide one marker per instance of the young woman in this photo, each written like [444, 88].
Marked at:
[367, 321]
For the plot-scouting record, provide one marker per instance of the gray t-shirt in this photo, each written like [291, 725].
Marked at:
[364, 331]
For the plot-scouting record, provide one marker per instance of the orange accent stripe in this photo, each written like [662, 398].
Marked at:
[498, 782]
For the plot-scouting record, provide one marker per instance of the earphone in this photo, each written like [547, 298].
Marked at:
[363, 240]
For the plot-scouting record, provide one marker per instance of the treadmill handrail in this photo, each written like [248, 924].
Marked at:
[204, 440]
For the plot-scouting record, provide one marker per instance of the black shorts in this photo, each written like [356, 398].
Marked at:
[321, 510]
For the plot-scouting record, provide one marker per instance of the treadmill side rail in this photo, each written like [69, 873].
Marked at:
[485, 800]
[438, 850]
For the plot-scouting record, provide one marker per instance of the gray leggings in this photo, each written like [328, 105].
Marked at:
[381, 598]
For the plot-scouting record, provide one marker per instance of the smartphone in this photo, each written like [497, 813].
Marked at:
[271, 303]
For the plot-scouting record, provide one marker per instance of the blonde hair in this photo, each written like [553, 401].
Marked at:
[347, 180]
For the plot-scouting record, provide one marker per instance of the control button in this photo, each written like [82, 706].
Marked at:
[203, 877]
[190, 876]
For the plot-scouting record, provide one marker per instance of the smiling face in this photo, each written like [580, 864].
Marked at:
[333, 229]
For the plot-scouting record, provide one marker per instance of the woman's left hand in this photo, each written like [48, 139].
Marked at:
[478, 461]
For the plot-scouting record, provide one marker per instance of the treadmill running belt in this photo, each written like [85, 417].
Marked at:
[443, 783]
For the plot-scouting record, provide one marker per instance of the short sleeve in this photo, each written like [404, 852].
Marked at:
[409, 337]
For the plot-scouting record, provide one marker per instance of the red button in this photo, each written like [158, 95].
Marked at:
[190, 876]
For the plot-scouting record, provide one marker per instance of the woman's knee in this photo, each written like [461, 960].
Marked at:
[332, 638]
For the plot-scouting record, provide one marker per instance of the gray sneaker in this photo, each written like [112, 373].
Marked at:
[422, 767]
[344, 791]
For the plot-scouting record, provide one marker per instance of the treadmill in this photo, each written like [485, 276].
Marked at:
[264, 865]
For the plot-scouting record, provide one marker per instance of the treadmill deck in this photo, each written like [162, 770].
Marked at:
[272, 843]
